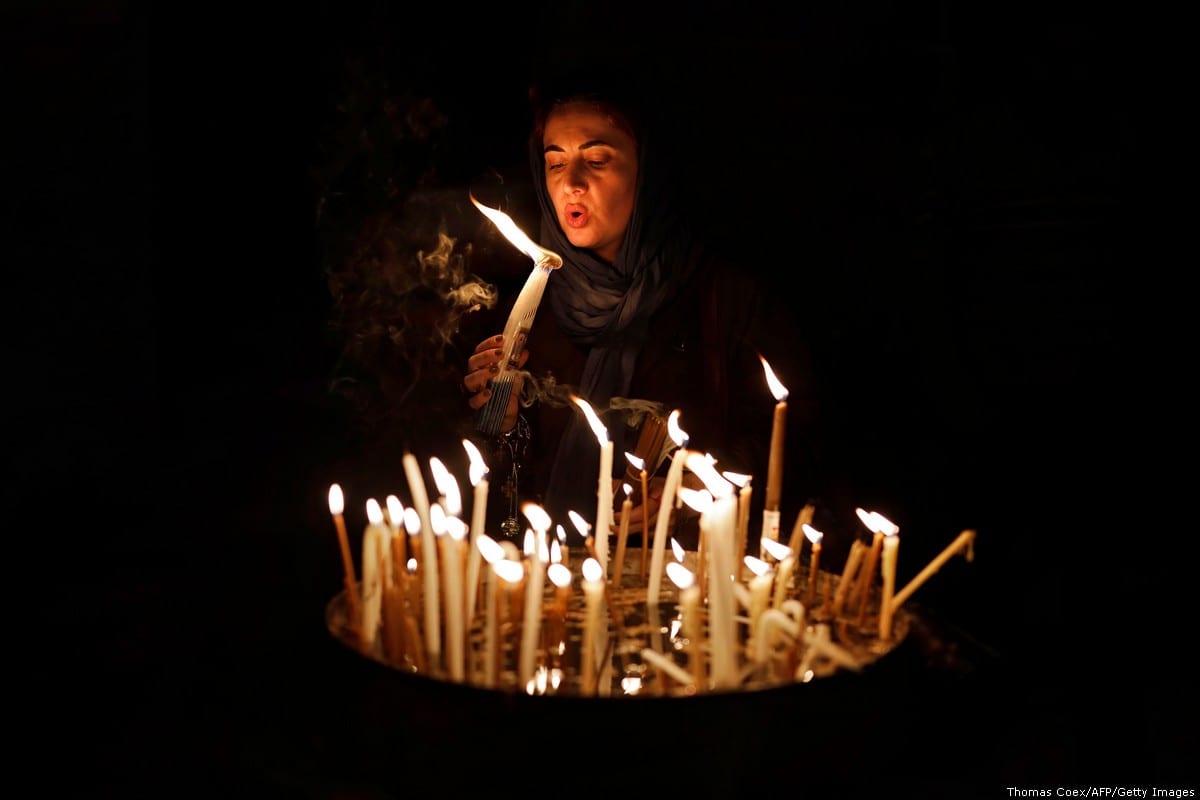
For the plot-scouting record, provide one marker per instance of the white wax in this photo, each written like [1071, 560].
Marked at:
[604, 505]
[478, 518]
[531, 626]
[429, 562]
[719, 522]
[891, 548]
[674, 476]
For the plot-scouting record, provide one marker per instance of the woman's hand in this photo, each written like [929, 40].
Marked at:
[482, 367]
[654, 488]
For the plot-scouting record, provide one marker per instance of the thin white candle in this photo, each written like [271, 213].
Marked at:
[372, 574]
[693, 628]
[622, 535]
[666, 503]
[604, 497]
[760, 592]
[717, 522]
[814, 566]
[429, 562]
[783, 576]
[667, 666]
[452, 573]
[531, 626]
[640, 465]
[491, 552]
[745, 490]
[891, 546]
[593, 594]
[853, 559]
[478, 473]
[880, 526]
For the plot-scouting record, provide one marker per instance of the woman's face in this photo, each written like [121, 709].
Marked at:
[591, 174]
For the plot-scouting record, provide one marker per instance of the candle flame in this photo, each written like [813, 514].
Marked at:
[738, 479]
[507, 570]
[777, 550]
[478, 469]
[437, 519]
[628, 490]
[518, 238]
[696, 499]
[489, 548]
[812, 534]
[581, 524]
[702, 465]
[680, 575]
[395, 511]
[411, 565]
[528, 543]
[592, 571]
[537, 516]
[777, 389]
[677, 549]
[337, 502]
[412, 521]
[559, 575]
[756, 565]
[374, 512]
[638, 463]
[556, 551]
[447, 486]
[876, 522]
[562, 533]
[456, 528]
[678, 435]
[593, 420]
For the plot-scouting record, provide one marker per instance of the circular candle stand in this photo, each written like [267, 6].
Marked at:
[836, 707]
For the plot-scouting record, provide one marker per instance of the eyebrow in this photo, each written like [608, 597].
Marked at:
[590, 143]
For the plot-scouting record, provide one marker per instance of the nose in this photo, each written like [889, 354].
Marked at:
[576, 178]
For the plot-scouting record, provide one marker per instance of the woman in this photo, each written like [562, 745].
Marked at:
[641, 314]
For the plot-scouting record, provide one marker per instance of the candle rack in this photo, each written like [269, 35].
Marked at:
[643, 651]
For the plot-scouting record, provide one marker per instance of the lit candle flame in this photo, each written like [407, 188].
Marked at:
[738, 479]
[756, 565]
[581, 524]
[702, 465]
[490, 549]
[696, 499]
[593, 420]
[677, 549]
[777, 389]
[812, 534]
[556, 551]
[529, 543]
[776, 550]
[447, 486]
[456, 528]
[678, 435]
[374, 512]
[537, 516]
[680, 575]
[412, 521]
[559, 575]
[508, 570]
[337, 502]
[437, 519]
[638, 463]
[518, 237]
[478, 469]
[876, 522]
[395, 510]
[592, 571]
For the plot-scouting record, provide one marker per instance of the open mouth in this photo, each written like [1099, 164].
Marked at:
[576, 216]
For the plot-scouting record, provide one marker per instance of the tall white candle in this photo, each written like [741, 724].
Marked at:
[593, 595]
[491, 552]
[891, 547]
[374, 536]
[535, 587]
[429, 562]
[622, 536]
[693, 628]
[452, 573]
[965, 540]
[666, 503]
[783, 576]
[479, 479]
[760, 592]
[717, 523]
[604, 496]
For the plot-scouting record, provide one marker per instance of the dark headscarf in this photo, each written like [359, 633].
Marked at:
[608, 308]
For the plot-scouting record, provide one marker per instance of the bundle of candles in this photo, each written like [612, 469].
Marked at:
[439, 597]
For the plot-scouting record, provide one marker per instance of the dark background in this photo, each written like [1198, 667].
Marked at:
[945, 191]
